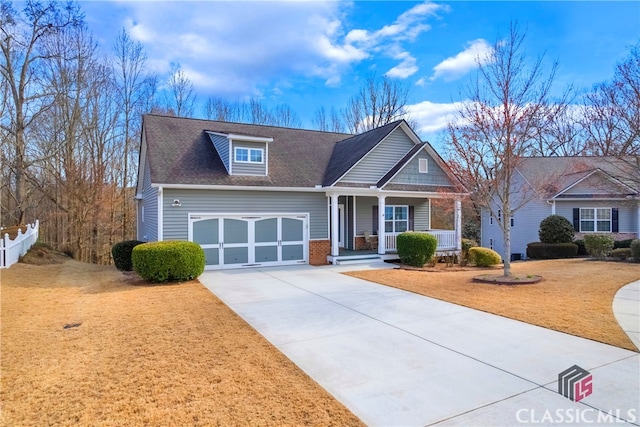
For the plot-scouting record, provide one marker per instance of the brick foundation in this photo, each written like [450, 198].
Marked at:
[318, 251]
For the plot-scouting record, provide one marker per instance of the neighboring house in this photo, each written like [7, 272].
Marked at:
[596, 194]
[255, 195]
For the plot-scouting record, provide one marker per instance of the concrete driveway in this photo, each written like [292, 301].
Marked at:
[400, 359]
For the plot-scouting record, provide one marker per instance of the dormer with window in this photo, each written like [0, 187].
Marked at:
[242, 154]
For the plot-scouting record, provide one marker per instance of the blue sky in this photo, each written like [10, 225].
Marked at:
[313, 53]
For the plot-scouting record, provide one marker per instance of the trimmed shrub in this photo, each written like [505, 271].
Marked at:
[121, 253]
[168, 261]
[466, 245]
[416, 249]
[582, 249]
[598, 245]
[621, 253]
[484, 257]
[617, 244]
[635, 249]
[539, 250]
[556, 229]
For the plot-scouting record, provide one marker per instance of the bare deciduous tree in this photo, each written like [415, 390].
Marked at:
[507, 103]
[182, 98]
[380, 101]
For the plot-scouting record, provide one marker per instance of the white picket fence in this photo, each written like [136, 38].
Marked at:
[12, 250]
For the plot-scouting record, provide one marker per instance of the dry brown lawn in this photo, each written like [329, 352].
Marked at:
[575, 295]
[140, 355]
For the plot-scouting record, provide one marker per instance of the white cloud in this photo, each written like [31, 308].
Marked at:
[433, 117]
[455, 67]
[406, 68]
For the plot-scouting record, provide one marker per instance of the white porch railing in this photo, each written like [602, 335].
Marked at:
[446, 240]
[12, 250]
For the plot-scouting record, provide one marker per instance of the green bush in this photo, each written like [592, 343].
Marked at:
[582, 250]
[168, 261]
[556, 229]
[416, 249]
[598, 245]
[617, 244]
[539, 250]
[484, 257]
[466, 245]
[635, 249]
[621, 253]
[121, 253]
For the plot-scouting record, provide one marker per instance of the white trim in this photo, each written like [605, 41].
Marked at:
[382, 249]
[355, 230]
[423, 165]
[142, 164]
[341, 226]
[230, 156]
[249, 150]
[247, 138]
[160, 215]
[333, 220]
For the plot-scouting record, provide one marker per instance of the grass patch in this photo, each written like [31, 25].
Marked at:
[81, 346]
[575, 296]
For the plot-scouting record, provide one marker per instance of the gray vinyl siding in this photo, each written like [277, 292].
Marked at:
[382, 158]
[526, 223]
[219, 201]
[596, 184]
[410, 173]
[149, 227]
[221, 145]
[627, 212]
[364, 212]
[249, 168]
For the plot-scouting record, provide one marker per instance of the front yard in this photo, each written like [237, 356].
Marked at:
[575, 295]
[87, 345]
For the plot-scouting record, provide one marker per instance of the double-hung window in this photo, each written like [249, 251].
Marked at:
[249, 155]
[396, 219]
[596, 220]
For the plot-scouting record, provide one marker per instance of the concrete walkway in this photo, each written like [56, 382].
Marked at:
[400, 359]
[626, 308]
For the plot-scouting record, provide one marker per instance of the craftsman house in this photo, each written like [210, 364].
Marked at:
[255, 195]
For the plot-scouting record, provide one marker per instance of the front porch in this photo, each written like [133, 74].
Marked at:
[365, 227]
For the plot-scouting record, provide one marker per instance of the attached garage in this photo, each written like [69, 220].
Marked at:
[237, 241]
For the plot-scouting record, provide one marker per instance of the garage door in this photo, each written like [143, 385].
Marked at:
[251, 240]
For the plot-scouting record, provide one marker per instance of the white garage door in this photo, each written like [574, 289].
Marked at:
[234, 241]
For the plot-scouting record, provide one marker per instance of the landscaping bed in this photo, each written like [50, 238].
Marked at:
[575, 295]
[88, 345]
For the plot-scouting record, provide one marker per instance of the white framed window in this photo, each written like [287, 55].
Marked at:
[248, 155]
[595, 220]
[423, 165]
[396, 219]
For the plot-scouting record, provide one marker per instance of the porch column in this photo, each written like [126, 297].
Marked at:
[458, 220]
[553, 207]
[382, 244]
[335, 251]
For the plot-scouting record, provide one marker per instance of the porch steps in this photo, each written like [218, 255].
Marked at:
[358, 259]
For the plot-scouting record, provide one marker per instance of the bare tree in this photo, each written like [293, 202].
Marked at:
[327, 122]
[611, 114]
[182, 98]
[497, 126]
[284, 116]
[21, 68]
[380, 101]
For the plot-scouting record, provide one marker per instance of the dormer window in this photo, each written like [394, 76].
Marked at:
[249, 155]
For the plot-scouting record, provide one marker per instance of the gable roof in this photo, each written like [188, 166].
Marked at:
[349, 151]
[180, 151]
[553, 176]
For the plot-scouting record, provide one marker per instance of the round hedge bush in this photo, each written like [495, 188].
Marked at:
[556, 229]
[484, 257]
[466, 245]
[539, 250]
[416, 249]
[121, 253]
[168, 261]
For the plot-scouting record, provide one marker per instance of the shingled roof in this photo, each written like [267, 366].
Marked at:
[179, 151]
